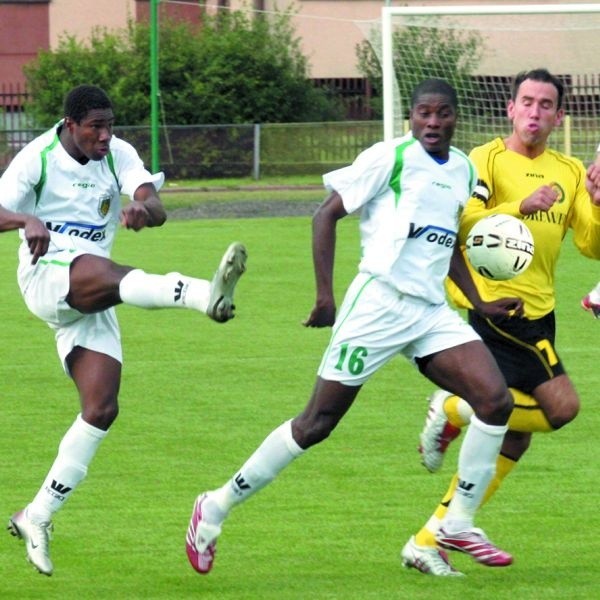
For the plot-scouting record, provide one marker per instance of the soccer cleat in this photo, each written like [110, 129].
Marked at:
[232, 266]
[428, 560]
[201, 540]
[437, 433]
[593, 307]
[36, 537]
[474, 543]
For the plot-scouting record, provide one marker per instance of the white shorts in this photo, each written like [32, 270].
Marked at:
[45, 286]
[376, 322]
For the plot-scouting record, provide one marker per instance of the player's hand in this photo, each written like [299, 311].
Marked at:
[503, 307]
[37, 237]
[135, 216]
[322, 315]
[542, 199]
[592, 182]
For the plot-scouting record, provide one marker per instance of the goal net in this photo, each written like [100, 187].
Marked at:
[478, 49]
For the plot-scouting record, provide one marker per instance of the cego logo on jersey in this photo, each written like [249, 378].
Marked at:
[433, 234]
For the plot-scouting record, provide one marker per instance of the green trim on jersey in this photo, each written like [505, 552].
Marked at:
[111, 165]
[37, 188]
[397, 170]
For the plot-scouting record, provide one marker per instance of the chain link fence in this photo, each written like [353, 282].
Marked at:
[221, 151]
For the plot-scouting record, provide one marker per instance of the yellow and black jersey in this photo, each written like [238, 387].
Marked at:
[506, 178]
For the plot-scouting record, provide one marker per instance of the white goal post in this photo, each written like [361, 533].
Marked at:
[503, 39]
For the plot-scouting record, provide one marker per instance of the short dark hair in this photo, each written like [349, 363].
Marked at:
[434, 86]
[83, 98]
[542, 75]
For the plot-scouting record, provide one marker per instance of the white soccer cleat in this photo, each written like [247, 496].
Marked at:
[428, 560]
[437, 433]
[36, 537]
[231, 268]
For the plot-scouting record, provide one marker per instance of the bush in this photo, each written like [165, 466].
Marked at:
[227, 69]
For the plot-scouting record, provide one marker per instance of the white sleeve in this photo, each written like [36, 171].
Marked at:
[364, 179]
[130, 169]
[17, 184]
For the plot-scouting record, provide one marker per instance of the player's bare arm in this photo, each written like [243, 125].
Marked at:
[461, 276]
[324, 238]
[146, 209]
[36, 233]
[542, 199]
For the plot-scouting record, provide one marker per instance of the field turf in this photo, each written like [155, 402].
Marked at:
[197, 398]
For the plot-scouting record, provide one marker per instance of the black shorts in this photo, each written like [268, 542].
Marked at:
[524, 349]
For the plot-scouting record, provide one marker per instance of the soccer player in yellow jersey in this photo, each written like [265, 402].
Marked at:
[551, 192]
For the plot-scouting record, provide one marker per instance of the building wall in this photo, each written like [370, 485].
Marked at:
[79, 17]
[331, 29]
[23, 32]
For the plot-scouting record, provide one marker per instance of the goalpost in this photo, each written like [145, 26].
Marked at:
[478, 48]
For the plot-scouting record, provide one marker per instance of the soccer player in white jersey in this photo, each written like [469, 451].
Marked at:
[63, 193]
[411, 192]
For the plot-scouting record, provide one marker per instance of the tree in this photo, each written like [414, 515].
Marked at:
[228, 69]
[419, 53]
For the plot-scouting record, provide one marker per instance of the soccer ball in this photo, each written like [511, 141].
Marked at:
[500, 247]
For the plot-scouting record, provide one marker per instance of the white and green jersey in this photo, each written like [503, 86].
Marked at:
[411, 206]
[80, 204]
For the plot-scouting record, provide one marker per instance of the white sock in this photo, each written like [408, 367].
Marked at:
[476, 467]
[595, 294]
[277, 451]
[172, 290]
[75, 453]
[433, 524]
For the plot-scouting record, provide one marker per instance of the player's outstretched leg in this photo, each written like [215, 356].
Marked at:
[427, 559]
[201, 539]
[437, 433]
[36, 537]
[232, 266]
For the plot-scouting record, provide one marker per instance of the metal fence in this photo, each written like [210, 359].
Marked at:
[220, 151]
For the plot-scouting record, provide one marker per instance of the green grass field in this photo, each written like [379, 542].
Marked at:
[197, 398]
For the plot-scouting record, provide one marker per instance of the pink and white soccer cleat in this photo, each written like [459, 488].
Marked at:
[474, 543]
[201, 540]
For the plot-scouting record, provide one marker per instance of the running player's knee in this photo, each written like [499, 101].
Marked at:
[101, 414]
[310, 430]
[562, 415]
[493, 407]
